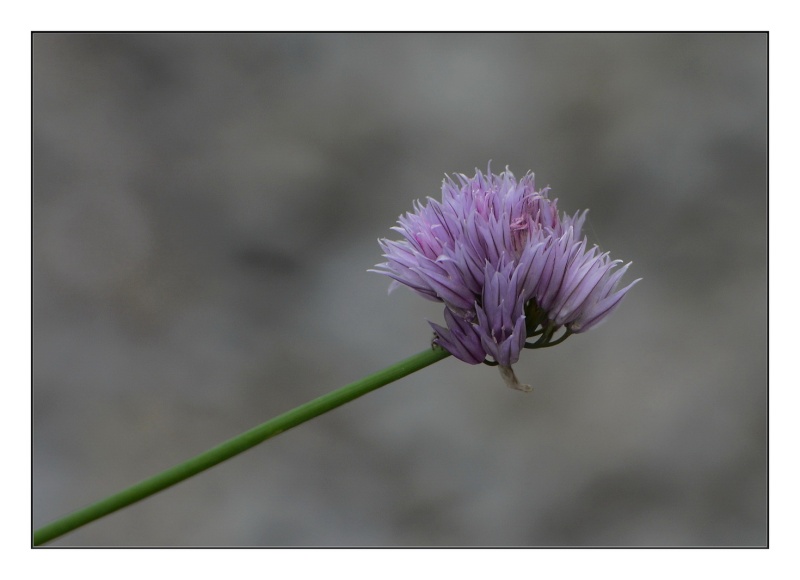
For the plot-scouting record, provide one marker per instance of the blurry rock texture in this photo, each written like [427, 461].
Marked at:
[205, 212]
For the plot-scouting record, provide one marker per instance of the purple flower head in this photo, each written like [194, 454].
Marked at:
[506, 266]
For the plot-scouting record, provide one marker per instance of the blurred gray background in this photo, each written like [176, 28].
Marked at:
[206, 208]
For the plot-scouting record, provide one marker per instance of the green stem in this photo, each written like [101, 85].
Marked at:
[237, 445]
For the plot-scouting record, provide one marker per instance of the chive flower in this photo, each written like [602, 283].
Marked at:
[506, 266]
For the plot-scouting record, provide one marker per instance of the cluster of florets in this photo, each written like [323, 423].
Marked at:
[506, 266]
